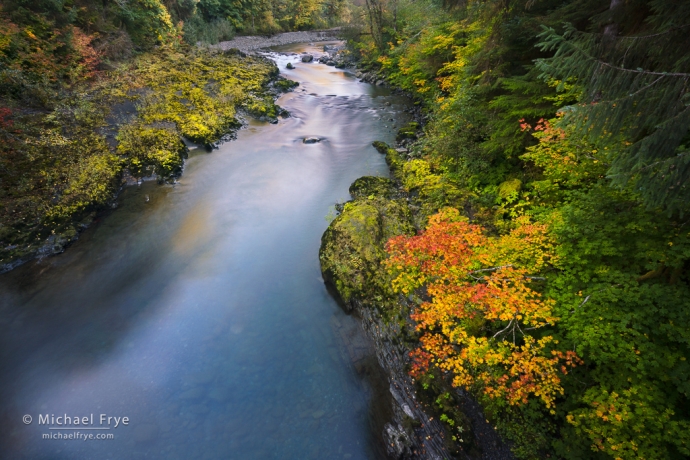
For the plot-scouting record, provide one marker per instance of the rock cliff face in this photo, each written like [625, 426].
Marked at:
[351, 255]
[352, 252]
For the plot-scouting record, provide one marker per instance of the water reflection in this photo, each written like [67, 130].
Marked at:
[198, 310]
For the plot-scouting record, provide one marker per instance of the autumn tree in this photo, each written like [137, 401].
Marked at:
[484, 322]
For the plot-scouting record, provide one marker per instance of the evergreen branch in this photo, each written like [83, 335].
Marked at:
[645, 87]
[653, 35]
[643, 72]
[665, 160]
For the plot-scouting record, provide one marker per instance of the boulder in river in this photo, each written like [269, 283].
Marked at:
[289, 66]
[352, 253]
[311, 140]
[307, 58]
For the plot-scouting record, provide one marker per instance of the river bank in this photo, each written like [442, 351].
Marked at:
[64, 166]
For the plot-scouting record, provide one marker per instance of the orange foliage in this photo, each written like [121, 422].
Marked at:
[482, 306]
[88, 57]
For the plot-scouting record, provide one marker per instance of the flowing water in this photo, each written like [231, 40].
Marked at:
[198, 310]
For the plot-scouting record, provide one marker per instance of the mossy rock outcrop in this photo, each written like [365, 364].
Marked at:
[393, 158]
[286, 85]
[367, 186]
[352, 248]
[407, 132]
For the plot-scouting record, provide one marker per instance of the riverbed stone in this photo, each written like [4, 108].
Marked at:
[397, 442]
[311, 140]
[307, 58]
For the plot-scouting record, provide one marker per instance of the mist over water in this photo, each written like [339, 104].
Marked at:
[198, 310]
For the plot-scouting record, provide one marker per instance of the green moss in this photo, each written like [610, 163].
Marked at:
[380, 147]
[286, 85]
[352, 248]
[200, 91]
[150, 150]
[367, 186]
[393, 158]
[409, 131]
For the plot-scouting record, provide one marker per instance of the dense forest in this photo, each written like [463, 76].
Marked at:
[549, 263]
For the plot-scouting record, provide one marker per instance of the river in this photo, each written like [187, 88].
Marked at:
[197, 310]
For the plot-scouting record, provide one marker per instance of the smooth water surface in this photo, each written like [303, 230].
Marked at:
[198, 310]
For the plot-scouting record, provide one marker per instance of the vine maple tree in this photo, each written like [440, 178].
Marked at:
[477, 324]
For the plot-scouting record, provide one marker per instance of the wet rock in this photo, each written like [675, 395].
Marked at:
[285, 85]
[307, 58]
[380, 83]
[401, 402]
[367, 186]
[289, 66]
[330, 62]
[397, 442]
[311, 140]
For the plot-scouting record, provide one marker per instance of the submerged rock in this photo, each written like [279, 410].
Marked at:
[311, 140]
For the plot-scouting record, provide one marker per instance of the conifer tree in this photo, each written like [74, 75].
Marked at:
[634, 71]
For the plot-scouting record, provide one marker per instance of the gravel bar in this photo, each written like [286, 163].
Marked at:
[251, 43]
